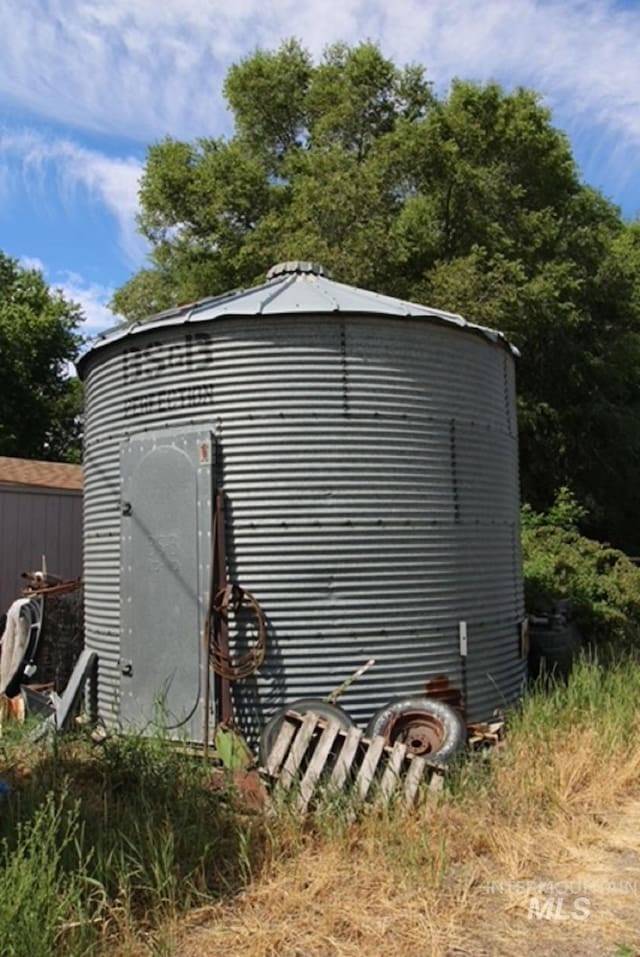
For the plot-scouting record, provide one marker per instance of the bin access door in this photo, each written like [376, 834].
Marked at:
[167, 482]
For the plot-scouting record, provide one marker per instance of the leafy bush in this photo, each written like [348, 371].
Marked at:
[602, 583]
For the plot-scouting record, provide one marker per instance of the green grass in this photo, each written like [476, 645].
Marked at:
[126, 835]
[44, 905]
[601, 695]
[101, 844]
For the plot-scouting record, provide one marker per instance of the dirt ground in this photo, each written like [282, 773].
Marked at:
[595, 899]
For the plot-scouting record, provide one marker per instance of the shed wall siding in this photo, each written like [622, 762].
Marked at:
[33, 523]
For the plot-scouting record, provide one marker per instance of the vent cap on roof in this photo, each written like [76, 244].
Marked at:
[298, 266]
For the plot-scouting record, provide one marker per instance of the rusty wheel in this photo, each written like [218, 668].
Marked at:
[427, 727]
[421, 732]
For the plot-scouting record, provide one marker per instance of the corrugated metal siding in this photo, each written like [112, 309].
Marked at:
[33, 523]
[371, 470]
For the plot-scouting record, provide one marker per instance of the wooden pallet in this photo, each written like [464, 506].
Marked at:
[317, 753]
[485, 735]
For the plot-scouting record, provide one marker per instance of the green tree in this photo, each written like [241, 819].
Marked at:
[40, 404]
[471, 202]
[312, 170]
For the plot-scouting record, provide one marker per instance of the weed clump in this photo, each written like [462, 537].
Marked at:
[105, 842]
[601, 582]
[45, 903]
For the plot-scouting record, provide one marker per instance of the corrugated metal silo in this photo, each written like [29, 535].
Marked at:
[368, 452]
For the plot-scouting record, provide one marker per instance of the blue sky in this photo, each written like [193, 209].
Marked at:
[86, 85]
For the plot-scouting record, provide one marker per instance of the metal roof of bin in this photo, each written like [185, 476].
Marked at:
[292, 287]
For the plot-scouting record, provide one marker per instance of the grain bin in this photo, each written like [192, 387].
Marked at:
[368, 451]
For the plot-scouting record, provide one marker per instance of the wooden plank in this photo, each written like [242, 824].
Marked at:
[369, 766]
[298, 750]
[316, 767]
[413, 779]
[348, 752]
[436, 785]
[278, 751]
[391, 774]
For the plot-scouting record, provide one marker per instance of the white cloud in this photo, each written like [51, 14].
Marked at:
[135, 68]
[581, 56]
[33, 263]
[144, 69]
[92, 298]
[111, 181]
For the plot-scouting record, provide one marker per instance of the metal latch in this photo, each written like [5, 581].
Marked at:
[462, 633]
[126, 667]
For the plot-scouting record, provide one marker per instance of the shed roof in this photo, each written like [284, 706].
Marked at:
[296, 287]
[28, 472]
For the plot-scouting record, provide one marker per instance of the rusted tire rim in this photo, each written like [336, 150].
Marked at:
[421, 732]
[426, 727]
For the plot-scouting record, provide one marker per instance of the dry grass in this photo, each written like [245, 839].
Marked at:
[560, 804]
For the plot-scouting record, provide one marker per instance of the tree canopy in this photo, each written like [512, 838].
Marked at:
[40, 403]
[469, 202]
